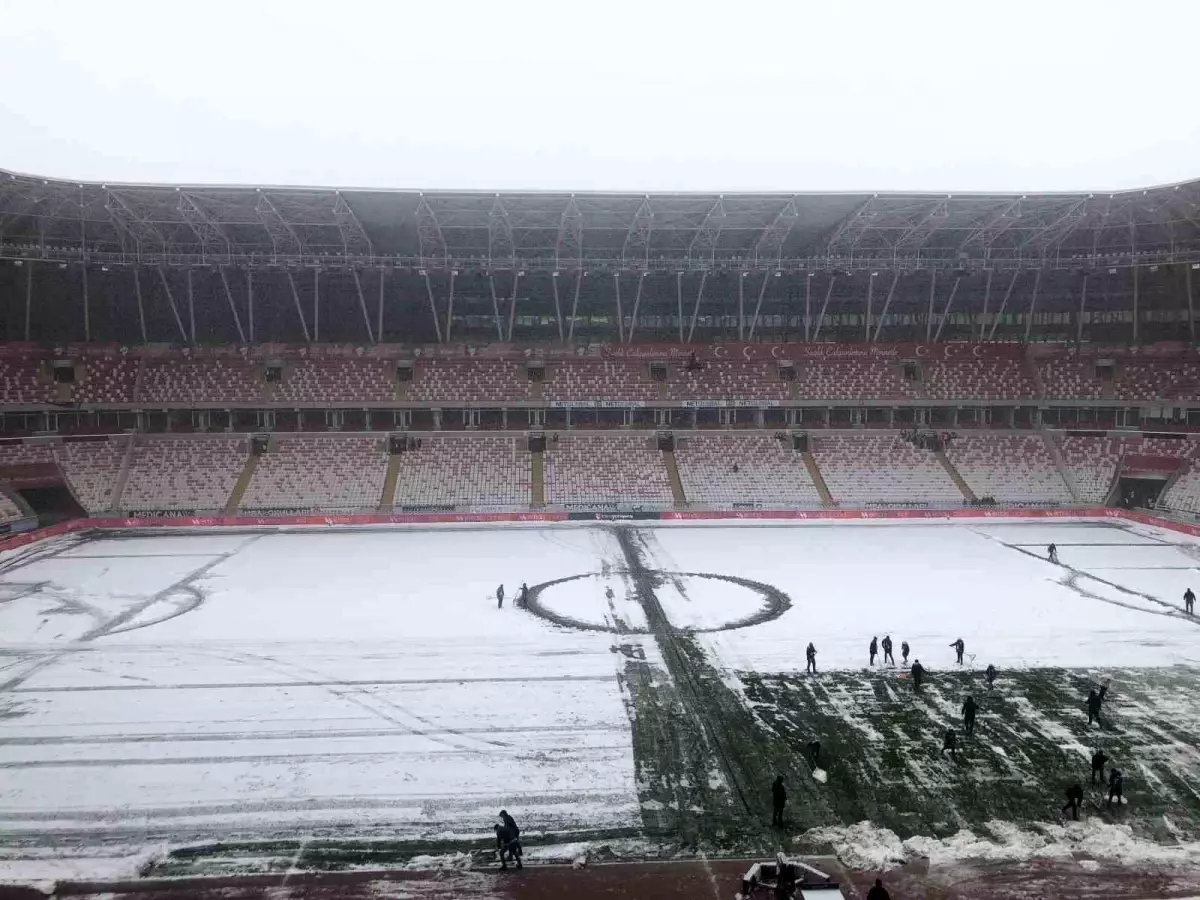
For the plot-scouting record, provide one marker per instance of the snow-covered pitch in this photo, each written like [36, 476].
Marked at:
[194, 686]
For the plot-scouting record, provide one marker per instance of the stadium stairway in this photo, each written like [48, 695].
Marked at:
[1063, 472]
[818, 480]
[673, 476]
[387, 497]
[537, 479]
[123, 475]
[1029, 367]
[955, 475]
[243, 482]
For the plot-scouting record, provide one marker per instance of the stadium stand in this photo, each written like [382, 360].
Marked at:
[1070, 379]
[8, 510]
[624, 468]
[468, 381]
[851, 380]
[200, 381]
[25, 453]
[870, 469]
[111, 379]
[977, 379]
[92, 468]
[768, 471]
[1012, 469]
[1173, 380]
[336, 381]
[594, 379]
[318, 473]
[457, 471]
[726, 380]
[20, 382]
[182, 473]
[1092, 463]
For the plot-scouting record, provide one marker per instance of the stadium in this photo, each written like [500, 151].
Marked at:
[336, 520]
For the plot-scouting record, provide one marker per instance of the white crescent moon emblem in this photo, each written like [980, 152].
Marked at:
[948, 354]
[975, 351]
[718, 351]
[775, 351]
[748, 352]
[922, 350]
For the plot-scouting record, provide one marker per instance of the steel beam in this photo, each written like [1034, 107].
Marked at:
[130, 225]
[557, 306]
[768, 248]
[28, 296]
[637, 301]
[867, 320]
[807, 306]
[450, 307]
[437, 325]
[987, 295]
[929, 317]
[379, 311]
[362, 305]
[703, 247]
[937, 336]
[1037, 283]
[191, 298]
[299, 307]
[137, 290]
[824, 306]
[87, 307]
[679, 302]
[919, 232]
[1082, 309]
[207, 230]
[1058, 230]
[501, 247]
[317, 305]
[852, 226]
[171, 300]
[285, 239]
[886, 305]
[620, 314]
[1003, 305]
[696, 308]
[762, 289]
[741, 305]
[512, 306]
[495, 308]
[575, 305]
[1187, 269]
[1136, 304]
[992, 227]
[355, 240]
[568, 249]
[636, 249]
[237, 319]
[434, 252]
[250, 303]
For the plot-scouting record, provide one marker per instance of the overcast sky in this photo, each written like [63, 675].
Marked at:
[607, 95]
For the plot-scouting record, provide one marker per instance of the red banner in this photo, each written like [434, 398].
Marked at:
[813, 352]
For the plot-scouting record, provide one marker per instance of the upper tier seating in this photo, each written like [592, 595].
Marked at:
[188, 473]
[1070, 379]
[769, 471]
[92, 469]
[319, 474]
[107, 380]
[977, 379]
[1164, 380]
[200, 381]
[595, 379]
[481, 472]
[468, 381]
[618, 468]
[1010, 468]
[864, 469]
[850, 379]
[22, 454]
[19, 382]
[726, 380]
[337, 381]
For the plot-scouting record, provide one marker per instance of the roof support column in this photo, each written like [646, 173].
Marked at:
[87, 307]
[28, 295]
[696, 308]
[191, 306]
[512, 306]
[945, 312]
[362, 305]
[762, 289]
[250, 302]
[1136, 298]
[1082, 309]
[886, 303]
[379, 312]
[1187, 271]
[437, 326]
[1037, 283]
[237, 320]
[637, 301]
[929, 317]
[450, 305]
[317, 305]
[987, 295]
[1003, 304]
[137, 290]
[557, 305]
[495, 306]
[679, 302]
[867, 320]
[824, 306]
[299, 308]
[807, 307]
[575, 305]
[741, 305]
[171, 299]
[620, 314]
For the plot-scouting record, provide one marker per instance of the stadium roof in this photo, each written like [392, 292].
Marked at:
[205, 225]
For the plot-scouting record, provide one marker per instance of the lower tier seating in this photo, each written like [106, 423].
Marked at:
[478, 472]
[880, 469]
[725, 469]
[1013, 468]
[622, 468]
[319, 474]
[183, 473]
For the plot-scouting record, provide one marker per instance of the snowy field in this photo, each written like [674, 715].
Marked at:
[200, 686]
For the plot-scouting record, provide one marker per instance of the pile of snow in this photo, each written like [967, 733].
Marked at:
[45, 871]
[867, 847]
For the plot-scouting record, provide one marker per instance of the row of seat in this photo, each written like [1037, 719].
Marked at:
[184, 380]
[347, 472]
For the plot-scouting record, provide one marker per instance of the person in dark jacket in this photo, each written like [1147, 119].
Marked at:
[959, 646]
[904, 651]
[874, 649]
[778, 801]
[1052, 553]
[510, 823]
[887, 650]
[879, 892]
[1098, 762]
[918, 672]
[1093, 707]
[509, 846]
[1189, 602]
[990, 675]
[811, 655]
[814, 754]
[968, 710]
[500, 597]
[950, 742]
[523, 597]
[1074, 798]
[1116, 787]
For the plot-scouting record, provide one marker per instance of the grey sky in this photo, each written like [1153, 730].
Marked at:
[610, 95]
